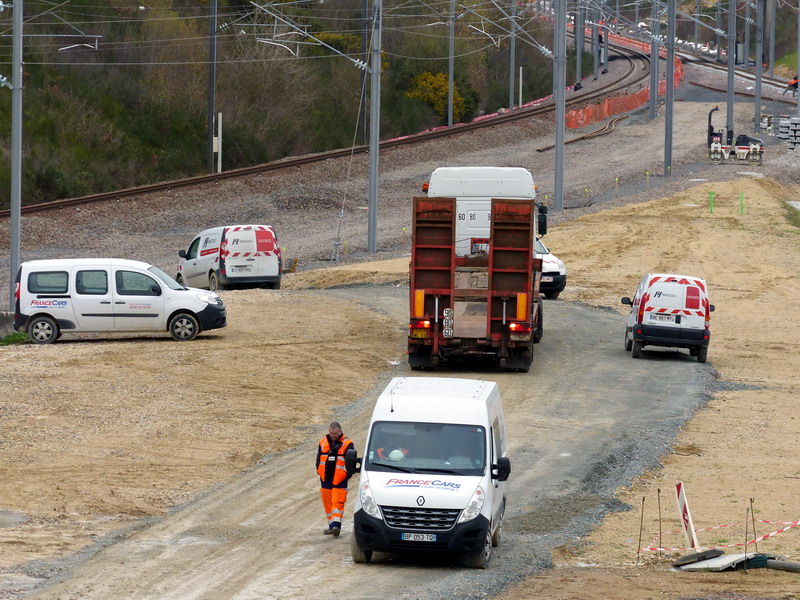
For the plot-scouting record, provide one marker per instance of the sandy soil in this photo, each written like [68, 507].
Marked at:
[97, 433]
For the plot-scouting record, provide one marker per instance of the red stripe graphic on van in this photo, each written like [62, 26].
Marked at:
[674, 311]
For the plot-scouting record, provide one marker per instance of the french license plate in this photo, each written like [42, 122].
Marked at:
[667, 318]
[419, 333]
[547, 279]
[241, 269]
[419, 537]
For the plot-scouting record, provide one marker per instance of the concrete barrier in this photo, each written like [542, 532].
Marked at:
[6, 323]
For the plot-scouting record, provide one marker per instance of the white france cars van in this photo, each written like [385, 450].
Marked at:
[669, 310]
[234, 255]
[554, 273]
[109, 294]
[433, 477]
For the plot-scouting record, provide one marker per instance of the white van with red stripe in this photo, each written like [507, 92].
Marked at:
[669, 310]
[231, 256]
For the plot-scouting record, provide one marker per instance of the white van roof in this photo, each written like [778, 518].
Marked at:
[481, 182]
[71, 262]
[435, 400]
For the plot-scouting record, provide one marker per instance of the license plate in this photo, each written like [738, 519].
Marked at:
[244, 269]
[667, 318]
[419, 333]
[419, 537]
[547, 279]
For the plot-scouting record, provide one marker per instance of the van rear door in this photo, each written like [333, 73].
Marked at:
[250, 251]
[92, 298]
[675, 302]
[267, 252]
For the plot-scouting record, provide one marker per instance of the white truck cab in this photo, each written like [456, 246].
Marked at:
[433, 476]
[229, 256]
[78, 295]
[669, 310]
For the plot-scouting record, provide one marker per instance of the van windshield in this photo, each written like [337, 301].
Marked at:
[169, 281]
[427, 448]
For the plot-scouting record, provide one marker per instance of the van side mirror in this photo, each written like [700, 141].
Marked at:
[155, 289]
[626, 300]
[541, 220]
[503, 468]
[710, 308]
[182, 253]
[352, 463]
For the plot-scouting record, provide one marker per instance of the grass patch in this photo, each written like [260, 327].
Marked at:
[792, 215]
[17, 337]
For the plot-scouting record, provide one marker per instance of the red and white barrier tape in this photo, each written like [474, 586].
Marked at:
[787, 526]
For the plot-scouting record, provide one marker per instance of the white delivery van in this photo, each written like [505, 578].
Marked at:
[473, 188]
[234, 255]
[78, 295]
[434, 471]
[669, 310]
[554, 273]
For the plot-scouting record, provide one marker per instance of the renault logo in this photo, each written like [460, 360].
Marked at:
[420, 501]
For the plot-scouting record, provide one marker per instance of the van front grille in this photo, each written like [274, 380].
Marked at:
[408, 518]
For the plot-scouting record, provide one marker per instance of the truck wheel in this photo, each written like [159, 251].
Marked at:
[43, 330]
[213, 282]
[537, 335]
[636, 351]
[184, 327]
[359, 556]
[481, 559]
[702, 354]
[628, 342]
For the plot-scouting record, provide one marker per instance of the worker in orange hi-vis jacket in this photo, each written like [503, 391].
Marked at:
[792, 85]
[333, 476]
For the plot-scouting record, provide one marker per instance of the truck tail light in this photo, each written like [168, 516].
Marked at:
[16, 292]
[420, 324]
[519, 327]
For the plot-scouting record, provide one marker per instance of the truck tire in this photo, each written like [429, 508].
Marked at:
[184, 327]
[628, 342]
[636, 351]
[360, 556]
[537, 335]
[43, 330]
[702, 354]
[481, 559]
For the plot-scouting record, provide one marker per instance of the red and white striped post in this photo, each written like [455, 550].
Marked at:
[686, 517]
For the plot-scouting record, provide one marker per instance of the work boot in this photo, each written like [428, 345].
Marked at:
[329, 531]
[336, 530]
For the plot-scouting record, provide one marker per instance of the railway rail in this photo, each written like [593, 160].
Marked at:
[636, 72]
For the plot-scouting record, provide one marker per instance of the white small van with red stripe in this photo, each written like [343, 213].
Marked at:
[232, 256]
[669, 310]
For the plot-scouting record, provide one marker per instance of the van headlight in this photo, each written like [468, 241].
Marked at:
[368, 502]
[474, 506]
[207, 298]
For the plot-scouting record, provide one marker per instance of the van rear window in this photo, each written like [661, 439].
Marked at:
[48, 282]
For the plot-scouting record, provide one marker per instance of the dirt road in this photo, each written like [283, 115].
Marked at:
[259, 534]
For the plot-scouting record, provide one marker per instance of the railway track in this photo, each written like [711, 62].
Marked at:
[636, 72]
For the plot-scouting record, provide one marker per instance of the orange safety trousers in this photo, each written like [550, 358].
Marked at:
[333, 499]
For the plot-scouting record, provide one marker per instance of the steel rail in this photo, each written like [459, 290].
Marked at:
[637, 72]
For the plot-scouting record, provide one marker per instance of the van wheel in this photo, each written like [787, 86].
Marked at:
[702, 354]
[213, 282]
[552, 295]
[184, 327]
[497, 535]
[636, 351]
[481, 560]
[43, 330]
[628, 342]
[359, 556]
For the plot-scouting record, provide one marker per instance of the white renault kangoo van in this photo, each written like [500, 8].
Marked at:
[234, 255]
[79, 295]
[669, 310]
[433, 477]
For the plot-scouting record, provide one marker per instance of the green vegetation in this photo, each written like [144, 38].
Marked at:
[792, 215]
[16, 337]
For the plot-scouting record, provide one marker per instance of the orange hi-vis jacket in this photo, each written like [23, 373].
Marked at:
[337, 454]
